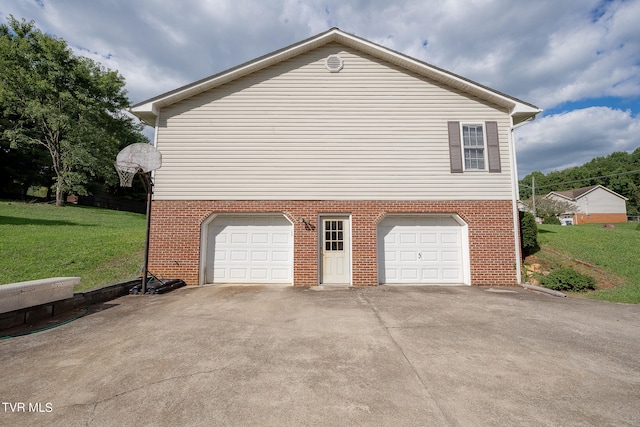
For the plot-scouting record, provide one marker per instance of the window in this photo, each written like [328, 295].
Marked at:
[473, 146]
[333, 235]
[476, 148]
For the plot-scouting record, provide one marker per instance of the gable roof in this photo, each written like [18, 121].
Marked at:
[578, 193]
[521, 111]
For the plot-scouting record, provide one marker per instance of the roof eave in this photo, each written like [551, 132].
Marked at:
[520, 111]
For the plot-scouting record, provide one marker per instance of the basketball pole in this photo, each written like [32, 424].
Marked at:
[146, 245]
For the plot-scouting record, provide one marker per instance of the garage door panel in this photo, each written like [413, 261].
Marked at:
[451, 256]
[450, 238]
[259, 274]
[420, 250]
[259, 238]
[239, 238]
[408, 238]
[283, 238]
[281, 256]
[221, 256]
[427, 238]
[239, 256]
[281, 275]
[452, 274]
[430, 273]
[411, 256]
[249, 249]
[259, 256]
[239, 274]
[409, 274]
[428, 256]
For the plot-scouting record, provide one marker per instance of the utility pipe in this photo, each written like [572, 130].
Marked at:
[545, 290]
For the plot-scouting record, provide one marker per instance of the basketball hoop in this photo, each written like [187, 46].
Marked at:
[134, 158]
[126, 172]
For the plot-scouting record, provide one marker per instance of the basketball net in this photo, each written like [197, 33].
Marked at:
[126, 172]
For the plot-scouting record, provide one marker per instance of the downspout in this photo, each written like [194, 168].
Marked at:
[515, 195]
[515, 192]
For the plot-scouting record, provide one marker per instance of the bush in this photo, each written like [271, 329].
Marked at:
[638, 227]
[567, 279]
[528, 233]
[551, 220]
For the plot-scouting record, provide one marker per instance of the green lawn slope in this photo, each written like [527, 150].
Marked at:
[40, 240]
[610, 255]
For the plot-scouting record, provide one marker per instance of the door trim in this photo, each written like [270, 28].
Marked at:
[348, 248]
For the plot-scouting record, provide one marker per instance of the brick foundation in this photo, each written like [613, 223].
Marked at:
[176, 233]
[598, 218]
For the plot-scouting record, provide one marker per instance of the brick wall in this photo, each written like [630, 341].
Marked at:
[597, 218]
[176, 232]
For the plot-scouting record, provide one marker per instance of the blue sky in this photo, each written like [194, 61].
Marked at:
[578, 60]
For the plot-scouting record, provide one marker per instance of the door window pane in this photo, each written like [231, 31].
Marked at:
[334, 239]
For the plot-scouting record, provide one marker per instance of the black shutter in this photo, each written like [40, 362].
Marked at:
[493, 147]
[455, 147]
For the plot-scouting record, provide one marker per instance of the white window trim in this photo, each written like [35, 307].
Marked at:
[484, 146]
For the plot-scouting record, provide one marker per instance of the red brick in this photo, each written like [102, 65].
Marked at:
[176, 230]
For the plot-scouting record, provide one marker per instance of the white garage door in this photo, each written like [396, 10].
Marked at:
[249, 249]
[420, 250]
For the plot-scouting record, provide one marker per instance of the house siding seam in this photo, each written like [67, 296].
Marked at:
[176, 228]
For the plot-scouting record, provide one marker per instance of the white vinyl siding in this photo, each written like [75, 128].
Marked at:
[296, 131]
[600, 201]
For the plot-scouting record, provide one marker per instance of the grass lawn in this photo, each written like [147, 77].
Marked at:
[613, 251]
[40, 240]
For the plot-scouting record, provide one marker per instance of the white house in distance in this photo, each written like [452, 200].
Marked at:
[594, 204]
[336, 161]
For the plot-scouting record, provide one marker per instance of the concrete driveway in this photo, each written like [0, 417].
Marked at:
[411, 356]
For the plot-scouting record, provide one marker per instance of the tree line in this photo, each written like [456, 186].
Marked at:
[619, 171]
[62, 117]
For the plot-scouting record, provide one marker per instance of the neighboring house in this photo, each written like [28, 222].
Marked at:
[336, 161]
[593, 204]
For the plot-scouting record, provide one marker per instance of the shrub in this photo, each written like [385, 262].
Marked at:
[638, 227]
[567, 279]
[528, 233]
[551, 220]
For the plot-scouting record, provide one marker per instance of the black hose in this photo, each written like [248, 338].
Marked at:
[47, 328]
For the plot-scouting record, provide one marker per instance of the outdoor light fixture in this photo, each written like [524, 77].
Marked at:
[305, 221]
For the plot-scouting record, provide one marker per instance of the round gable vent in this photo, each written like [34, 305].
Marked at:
[334, 63]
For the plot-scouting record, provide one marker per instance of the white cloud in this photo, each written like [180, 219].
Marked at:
[547, 52]
[573, 138]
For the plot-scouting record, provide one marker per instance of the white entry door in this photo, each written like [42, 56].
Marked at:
[336, 251]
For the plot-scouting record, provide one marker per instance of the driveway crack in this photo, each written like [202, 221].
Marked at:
[426, 389]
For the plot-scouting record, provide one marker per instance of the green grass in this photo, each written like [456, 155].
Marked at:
[615, 250]
[40, 240]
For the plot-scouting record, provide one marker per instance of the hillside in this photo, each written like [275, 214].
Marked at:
[608, 255]
[40, 240]
[620, 172]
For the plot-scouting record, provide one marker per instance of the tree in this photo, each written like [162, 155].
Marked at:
[619, 171]
[69, 105]
[549, 207]
[528, 234]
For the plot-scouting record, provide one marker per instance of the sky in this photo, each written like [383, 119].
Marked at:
[578, 60]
